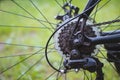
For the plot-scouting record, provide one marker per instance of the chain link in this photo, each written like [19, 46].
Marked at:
[104, 23]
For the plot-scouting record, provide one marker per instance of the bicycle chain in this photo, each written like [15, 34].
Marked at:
[104, 23]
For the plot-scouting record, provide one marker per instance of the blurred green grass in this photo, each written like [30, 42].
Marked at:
[37, 37]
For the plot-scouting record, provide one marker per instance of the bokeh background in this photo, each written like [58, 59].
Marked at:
[24, 31]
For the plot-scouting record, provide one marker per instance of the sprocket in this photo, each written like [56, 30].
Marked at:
[62, 38]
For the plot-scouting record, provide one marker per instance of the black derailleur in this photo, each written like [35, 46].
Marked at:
[78, 60]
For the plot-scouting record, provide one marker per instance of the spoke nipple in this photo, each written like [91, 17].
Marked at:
[76, 70]
[62, 71]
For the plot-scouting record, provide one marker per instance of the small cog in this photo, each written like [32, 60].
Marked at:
[62, 38]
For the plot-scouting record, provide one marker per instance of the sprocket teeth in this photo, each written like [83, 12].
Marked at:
[63, 34]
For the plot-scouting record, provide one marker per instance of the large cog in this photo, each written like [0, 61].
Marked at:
[62, 36]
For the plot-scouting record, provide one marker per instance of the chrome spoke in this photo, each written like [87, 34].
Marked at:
[33, 65]
[41, 14]
[29, 14]
[21, 15]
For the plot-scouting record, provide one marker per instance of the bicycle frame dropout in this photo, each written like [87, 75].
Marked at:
[106, 37]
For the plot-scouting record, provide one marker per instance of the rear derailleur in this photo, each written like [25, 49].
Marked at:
[88, 63]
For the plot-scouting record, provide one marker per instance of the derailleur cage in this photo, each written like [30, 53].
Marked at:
[89, 64]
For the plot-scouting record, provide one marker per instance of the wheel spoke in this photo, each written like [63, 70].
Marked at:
[58, 76]
[91, 76]
[115, 25]
[105, 59]
[29, 13]
[86, 75]
[94, 18]
[116, 19]
[101, 7]
[113, 31]
[23, 45]
[58, 4]
[42, 14]
[50, 75]
[18, 55]
[22, 60]
[103, 56]
[108, 61]
[60, 65]
[9, 26]
[38, 61]
[104, 23]
[26, 16]
[65, 76]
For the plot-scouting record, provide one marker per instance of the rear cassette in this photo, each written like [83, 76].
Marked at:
[63, 36]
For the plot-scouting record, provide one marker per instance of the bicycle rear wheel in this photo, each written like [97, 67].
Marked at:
[25, 27]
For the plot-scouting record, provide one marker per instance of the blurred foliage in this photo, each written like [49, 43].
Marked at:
[38, 37]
